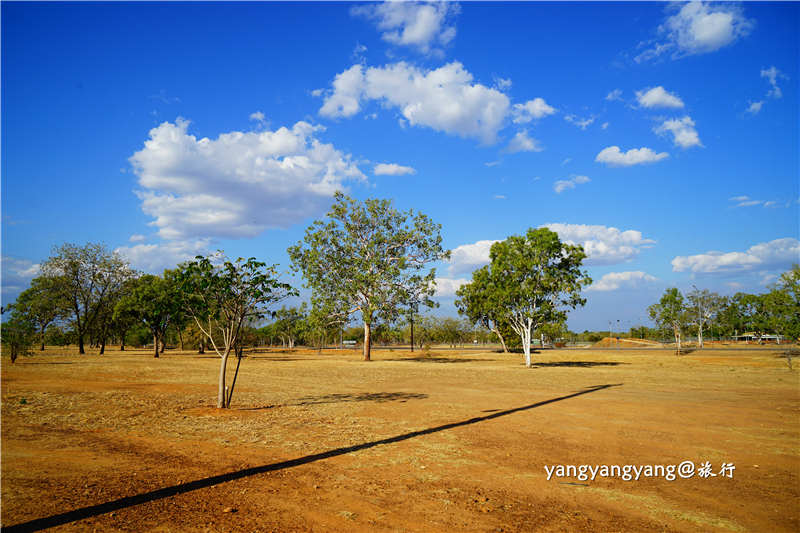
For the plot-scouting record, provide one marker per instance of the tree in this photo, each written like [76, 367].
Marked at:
[670, 312]
[290, 324]
[17, 335]
[478, 302]
[783, 304]
[221, 296]
[702, 307]
[531, 281]
[154, 301]
[369, 258]
[86, 277]
[42, 304]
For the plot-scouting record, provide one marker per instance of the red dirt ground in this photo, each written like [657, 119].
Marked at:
[454, 441]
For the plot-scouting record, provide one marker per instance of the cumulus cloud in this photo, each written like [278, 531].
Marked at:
[17, 276]
[444, 99]
[562, 185]
[614, 157]
[658, 97]
[682, 130]
[603, 245]
[157, 257]
[582, 123]
[698, 28]
[392, 169]
[447, 287]
[772, 255]
[238, 184]
[137, 237]
[773, 75]
[258, 116]
[755, 107]
[415, 24]
[523, 143]
[502, 83]
[616, 94]
[531, 110]
[621, 280]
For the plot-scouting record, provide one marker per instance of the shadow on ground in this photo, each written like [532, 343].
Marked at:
[341, 398]
[182, 488]
[577, 364]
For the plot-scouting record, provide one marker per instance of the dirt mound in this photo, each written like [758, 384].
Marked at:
[613, 342]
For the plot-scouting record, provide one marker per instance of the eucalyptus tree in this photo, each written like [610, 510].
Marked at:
[703, 306]
[222, 296]
[369, 258]
[478, 302]
[670, 313]
[86, 278]
[155, 302]
[532, 280]
[42, 304]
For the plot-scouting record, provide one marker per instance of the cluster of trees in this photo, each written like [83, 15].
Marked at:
[774, 312]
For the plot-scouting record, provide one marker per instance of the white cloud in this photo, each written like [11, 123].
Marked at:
[605, 125]
[444, 99]
[682, 130]
[239, 184]
[746, 201]
[614, 157]
[523, 143]
[603, 245]
[658, 97]
[621, 280]
[699, 28]
[155, 258]
[565, 161]
[562, 185]
[499, 197]
[468, 257]
[258, 116]
[447, 287]
[531, 110]
[773, 74]
[17, 274]
[137, 237]
[392, 169]
[755, 107]
[779, 253]
[492, 163]
[415, 24]
[616, 94]
[502, 83]
[581, 123]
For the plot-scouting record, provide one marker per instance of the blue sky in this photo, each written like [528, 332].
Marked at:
[662, 137]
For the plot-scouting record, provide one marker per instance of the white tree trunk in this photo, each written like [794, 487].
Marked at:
[222, 368]
[700, 335]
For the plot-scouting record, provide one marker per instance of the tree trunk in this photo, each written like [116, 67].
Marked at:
[700, 336]
[221, 390]
[102, 346]
[526, 345]
[163, 341]
[202, 348]
[367, 341]
[81, 350]
[502, 341]
[235, 375]
[155, 345]
[180, 337]
[412, 334]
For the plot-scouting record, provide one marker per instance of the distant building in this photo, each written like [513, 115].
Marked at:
[750, 336]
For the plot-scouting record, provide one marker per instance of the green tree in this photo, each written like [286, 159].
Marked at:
[154, 301]
[17, 335]
[702, 308]
[531, 280]
[478, 302]
[221, 296]
[670, 313]
[783, 304]
[290, 324]
[42, 304]
[369, 258]
[86, 277]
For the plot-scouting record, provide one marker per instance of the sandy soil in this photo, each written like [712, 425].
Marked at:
[455, 441]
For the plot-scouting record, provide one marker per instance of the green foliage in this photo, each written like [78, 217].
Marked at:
[17, 335]
[42, 304]
[670, 313]
[152, 300]
[369, 258]
[530, 282]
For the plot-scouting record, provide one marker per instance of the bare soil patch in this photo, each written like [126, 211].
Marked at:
[453, 441]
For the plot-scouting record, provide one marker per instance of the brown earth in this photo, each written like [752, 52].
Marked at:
[454, 441]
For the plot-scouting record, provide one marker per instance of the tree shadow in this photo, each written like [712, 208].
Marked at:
[182, 488]
[576, 364]
[379, 397]
[46, 363]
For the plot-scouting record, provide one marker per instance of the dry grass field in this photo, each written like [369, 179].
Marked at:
[454, 441]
